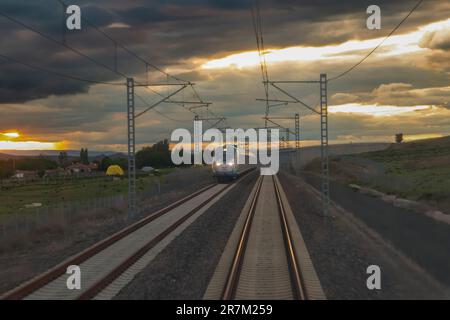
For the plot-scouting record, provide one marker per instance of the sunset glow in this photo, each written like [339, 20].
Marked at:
[402, 85]
[30, 145]
[11, 134]
[375, 110]
[396, 45]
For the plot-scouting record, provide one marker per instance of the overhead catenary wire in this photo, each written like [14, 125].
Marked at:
[379, 45]
[50, 38]
[59, 74]
[75, 78]
[146, 104]
[257, 26]
[78, 52]
[122, 46]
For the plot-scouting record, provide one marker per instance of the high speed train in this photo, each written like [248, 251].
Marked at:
[225, 169]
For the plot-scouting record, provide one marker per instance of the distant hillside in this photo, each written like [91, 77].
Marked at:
[53, 154]
[4, 156]
[417, 170]
[414, 151]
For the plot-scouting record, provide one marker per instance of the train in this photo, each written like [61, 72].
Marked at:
[225, 169]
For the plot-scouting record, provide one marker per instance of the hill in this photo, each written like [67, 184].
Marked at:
[418, 170]
[53, 154]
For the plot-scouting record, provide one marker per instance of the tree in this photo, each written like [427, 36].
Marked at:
[62, 159]
[6, 168]
[399, 138]
[35, 164]
[107, 161]
[84, 157]
[157, 156]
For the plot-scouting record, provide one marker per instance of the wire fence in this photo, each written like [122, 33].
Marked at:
[60, 217]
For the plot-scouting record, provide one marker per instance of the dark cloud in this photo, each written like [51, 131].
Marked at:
[168, 32]
[171, 33]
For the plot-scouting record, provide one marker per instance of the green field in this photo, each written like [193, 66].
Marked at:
[14, 198]
[417, 170]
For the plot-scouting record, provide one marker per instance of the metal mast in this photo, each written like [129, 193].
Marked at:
[297, 131]
[131, 149]
[324, 143]
[323, 113]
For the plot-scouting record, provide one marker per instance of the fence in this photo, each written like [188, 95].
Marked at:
[59, 217]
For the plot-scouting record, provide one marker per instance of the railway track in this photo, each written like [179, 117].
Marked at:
[265, 257]
[109, 265]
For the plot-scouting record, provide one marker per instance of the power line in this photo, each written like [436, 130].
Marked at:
[46, 36]
[113, 70]
[78, 52]
[161, 101]
[59, 74]
[147, 64]
[379, 45]
[158, 112]
[181, 105]
[257, 26]
[66, 76]
[117, 43]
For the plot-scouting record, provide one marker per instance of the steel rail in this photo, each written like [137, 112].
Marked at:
[46, 277]
[233, 276]
[295, 272]
[232, 280]
[52, 274]
[127, 263]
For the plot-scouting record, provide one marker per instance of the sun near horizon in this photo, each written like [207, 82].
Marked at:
[14, 140]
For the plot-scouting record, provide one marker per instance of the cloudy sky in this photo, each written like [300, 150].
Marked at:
[403, 87]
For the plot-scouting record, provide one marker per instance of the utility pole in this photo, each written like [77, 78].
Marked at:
[131, 149]
[324, 143]
[323, 113]
[297, 131]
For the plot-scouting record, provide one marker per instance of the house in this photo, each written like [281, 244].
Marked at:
[25, 175]
[54, 173]
[93, 166]
[78, 168]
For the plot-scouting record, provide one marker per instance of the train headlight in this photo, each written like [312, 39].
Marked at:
[218, 164]
[230, 164]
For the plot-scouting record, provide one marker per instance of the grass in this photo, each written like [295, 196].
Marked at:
[417, 170]
[13, 199]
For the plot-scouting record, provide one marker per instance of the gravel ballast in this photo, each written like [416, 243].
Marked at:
[183, 269]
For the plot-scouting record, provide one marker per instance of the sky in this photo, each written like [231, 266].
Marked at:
[403, 87]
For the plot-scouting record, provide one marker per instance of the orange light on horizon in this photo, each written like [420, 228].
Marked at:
[11, 134]
[31, 145]
[375, 110]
